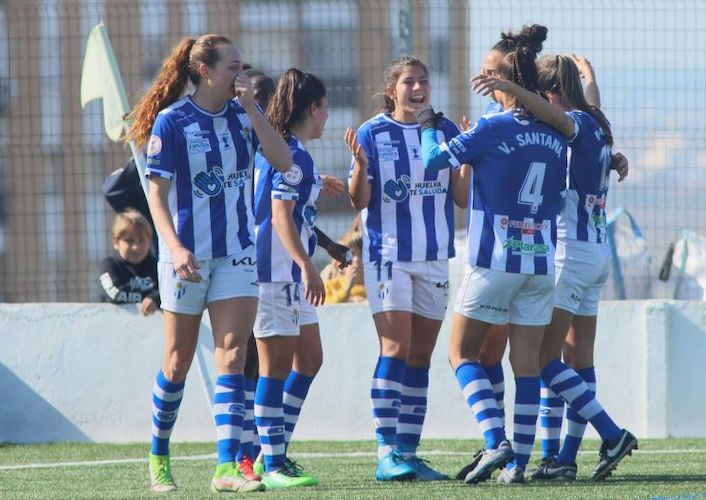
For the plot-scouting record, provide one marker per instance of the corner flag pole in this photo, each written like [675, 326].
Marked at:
[100, 79]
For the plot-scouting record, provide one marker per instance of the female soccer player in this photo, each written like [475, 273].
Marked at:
[519, 172]
[408, 225]
[287, 329]
[199, 163]
[582, 262]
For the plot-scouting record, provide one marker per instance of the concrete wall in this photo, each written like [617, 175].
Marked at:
[84, 372]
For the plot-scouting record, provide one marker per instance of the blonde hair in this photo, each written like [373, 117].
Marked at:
[128, 220]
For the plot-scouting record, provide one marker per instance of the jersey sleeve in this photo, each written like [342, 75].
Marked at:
[469, 145]
[579, 122]
[161, 149]
[286, 186]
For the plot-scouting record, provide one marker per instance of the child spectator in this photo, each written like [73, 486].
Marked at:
[130, 275]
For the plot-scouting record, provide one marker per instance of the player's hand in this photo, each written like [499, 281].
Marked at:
[620, 164]
[148, 306]
[585, 68]
[314, 289]
[244, 90]
[487, 84]
[333, 186]
[186, 265]
[356, 149]
[464, 124]
[428, 118]
[341, 254]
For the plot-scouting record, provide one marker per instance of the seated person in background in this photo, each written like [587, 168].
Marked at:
[129, 276]
[346, 285]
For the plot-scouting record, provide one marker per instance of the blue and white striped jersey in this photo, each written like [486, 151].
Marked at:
[583, 217]
[519, 174]
[209, 159]
[300, 183]
[410, 214]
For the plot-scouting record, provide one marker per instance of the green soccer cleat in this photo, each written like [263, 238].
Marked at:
[229, 478]
[258, 466]
[299, 471]
[284, 478]
[161, 480]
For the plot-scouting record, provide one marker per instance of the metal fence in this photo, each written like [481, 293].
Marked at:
[650, 58]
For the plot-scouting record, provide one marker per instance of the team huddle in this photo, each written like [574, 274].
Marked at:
[233, 196]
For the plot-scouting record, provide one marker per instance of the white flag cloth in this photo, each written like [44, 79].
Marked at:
[100, 79]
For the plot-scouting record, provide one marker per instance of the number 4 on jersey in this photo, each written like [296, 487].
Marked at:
[531, 191]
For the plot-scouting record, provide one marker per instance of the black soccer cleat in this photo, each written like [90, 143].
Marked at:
[612, 453]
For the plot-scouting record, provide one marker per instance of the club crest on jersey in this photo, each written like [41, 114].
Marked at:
[154, 146]
[246, 134]
[294, 175]
[180, 291]
[396, 190]
[209, 183]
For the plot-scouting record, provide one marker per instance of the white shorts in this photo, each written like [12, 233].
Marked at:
[282, 310]
[222, 278]
[418, 287]
[582, 268]
[498, 297]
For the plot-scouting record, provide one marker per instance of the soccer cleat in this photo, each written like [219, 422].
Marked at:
[461, 475]
[284, 478]
[258, 466]
[489, 461]
[392, 467]
[246, 469]
[550, 470]
[612, 455]
[297, 469]
[516, 475]
[161, 480]
[228, 478]
[423, 471]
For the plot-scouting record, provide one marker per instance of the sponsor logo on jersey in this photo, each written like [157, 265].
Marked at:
[396, 189]
[387, 151]
[527, 228]
[209, 183]
[519, 247]
[245, 261]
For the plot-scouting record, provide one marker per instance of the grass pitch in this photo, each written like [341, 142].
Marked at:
[673, 469]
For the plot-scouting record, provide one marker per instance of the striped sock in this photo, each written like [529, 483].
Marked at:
[551, 410]
[228, 412]
[525, 418]
[570, 386]
[246, 439]
[296, 388]
[269, 418]
[575, 424]
[166, 398]
[497, 382]
[385, 395]
[413, 409]
[478, 393]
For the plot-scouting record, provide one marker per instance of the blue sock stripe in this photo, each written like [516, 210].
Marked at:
[269, 418]
[476, 389]
[166, 398]
[527, 397]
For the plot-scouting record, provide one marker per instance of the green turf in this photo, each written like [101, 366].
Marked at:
[647, 474]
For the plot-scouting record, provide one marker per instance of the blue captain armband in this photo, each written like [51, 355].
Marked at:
[436, 156]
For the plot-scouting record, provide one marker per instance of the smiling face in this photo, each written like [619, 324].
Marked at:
[410, 92]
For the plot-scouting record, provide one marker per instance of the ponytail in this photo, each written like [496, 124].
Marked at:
[295, 93]
[560, 75]
[179, 68]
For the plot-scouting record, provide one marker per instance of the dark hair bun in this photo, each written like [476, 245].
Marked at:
[531, 37]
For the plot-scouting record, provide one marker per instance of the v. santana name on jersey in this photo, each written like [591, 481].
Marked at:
[534, 139]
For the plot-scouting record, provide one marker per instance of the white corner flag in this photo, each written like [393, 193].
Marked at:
[100, 79]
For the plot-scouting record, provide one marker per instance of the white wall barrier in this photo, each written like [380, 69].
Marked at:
[84, 372]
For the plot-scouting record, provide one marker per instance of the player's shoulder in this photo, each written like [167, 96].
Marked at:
[176, 109]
